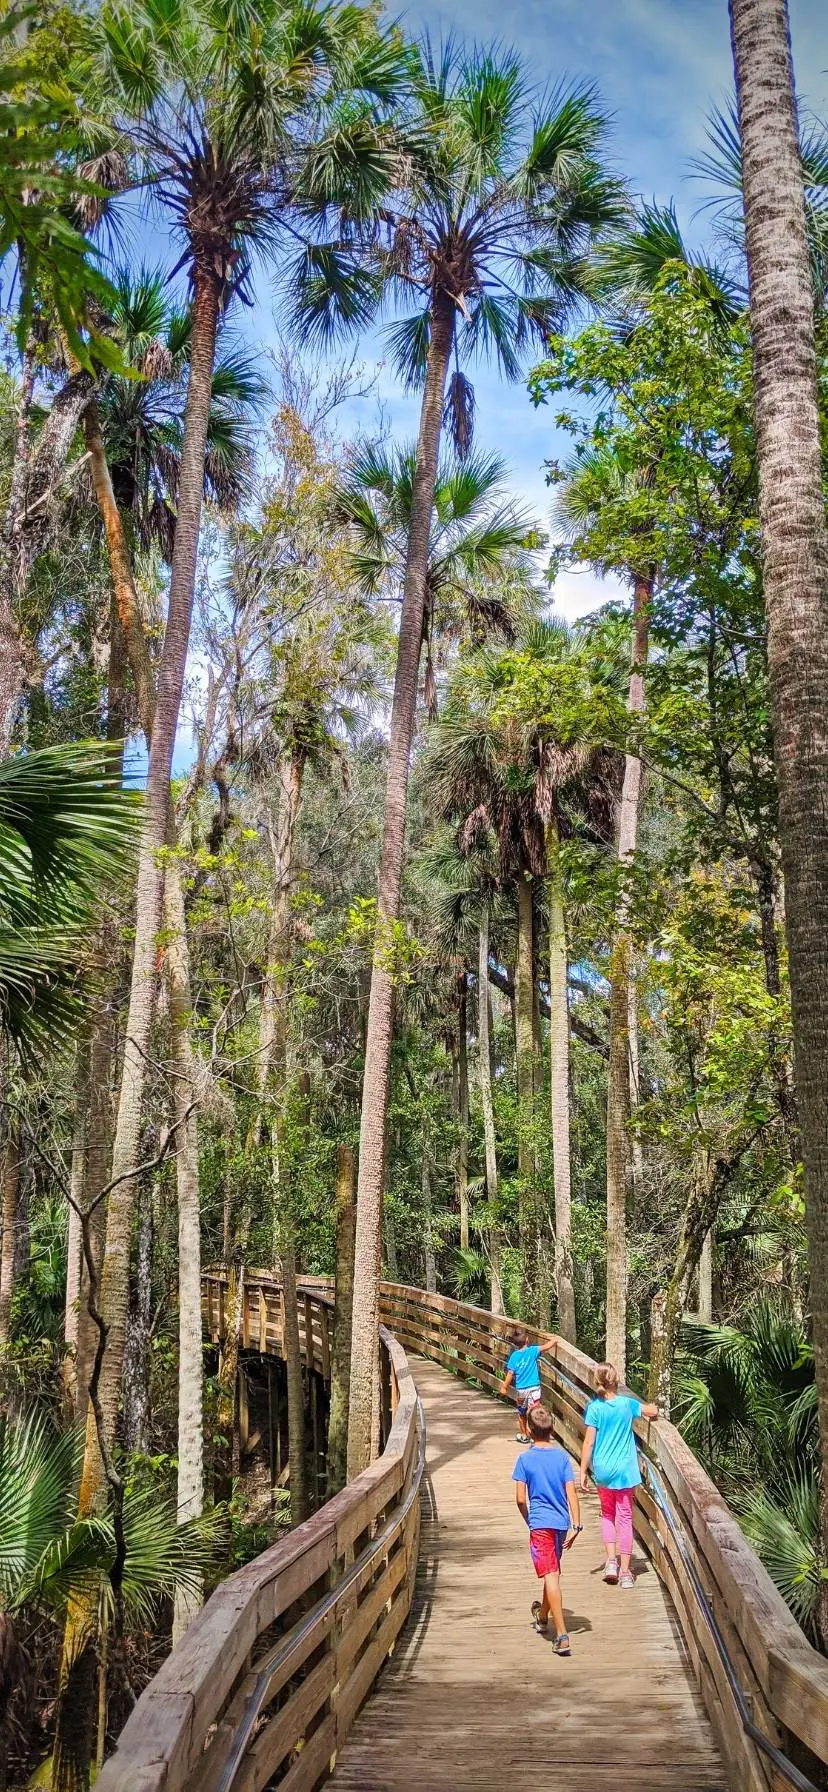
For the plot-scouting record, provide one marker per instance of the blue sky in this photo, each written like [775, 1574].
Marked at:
[661, 66]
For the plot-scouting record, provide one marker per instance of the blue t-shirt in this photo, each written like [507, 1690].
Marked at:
[524, 1365]
[614, 1458]
[546, 1471]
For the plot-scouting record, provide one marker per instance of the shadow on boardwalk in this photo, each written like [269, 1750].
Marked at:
[473, 1697]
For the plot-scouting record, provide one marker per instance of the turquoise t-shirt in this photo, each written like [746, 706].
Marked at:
[524, 1366]
[614, 1458]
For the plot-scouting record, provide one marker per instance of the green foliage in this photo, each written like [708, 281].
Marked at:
[67, 826]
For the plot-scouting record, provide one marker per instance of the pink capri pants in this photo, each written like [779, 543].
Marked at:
[616, 1517]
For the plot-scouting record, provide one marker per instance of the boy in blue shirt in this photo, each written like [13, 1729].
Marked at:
[548, 1503]
[523, 1369]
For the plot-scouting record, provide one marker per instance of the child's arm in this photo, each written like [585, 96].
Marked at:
[507, 1381]
[586, 1455]
[522, 1497]
[574, 1505]
[649, 1410]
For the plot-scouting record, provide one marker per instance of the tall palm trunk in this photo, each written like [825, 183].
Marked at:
[427, 1185]
[559, 1082]
[126, 1151]
[381, 1005]
[621, 975]
[120, 564]
[273, 1037]
[525, 1053]
[35, 476]
[341, 1351]
[484, 1069]
[795, 553]
[11, 1197]
[706, 1279]
[190, 1487]
[12, 657]
[463, 1107]
[90, 1173]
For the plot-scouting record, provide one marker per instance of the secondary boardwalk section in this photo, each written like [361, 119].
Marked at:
[386, 1643]
[473, 1697]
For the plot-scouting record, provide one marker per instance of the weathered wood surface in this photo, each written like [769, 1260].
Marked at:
[295, 1639]
[472, 1697]
[784, 1680]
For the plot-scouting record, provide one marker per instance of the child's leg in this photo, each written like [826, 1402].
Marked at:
[624, 1525]
[608, 1498]
[552, 1603]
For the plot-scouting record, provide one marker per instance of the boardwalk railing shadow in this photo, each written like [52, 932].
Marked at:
[265, 1686]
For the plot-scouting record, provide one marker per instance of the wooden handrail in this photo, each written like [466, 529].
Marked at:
[265, 1684]
[783, 1680]
[286, 1649]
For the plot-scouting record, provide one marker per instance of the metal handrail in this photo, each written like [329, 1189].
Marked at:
[319, 1612]
[781, 1761]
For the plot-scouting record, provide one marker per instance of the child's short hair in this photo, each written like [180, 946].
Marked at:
[541, 1423]
[520, 1337]
[606, 1378]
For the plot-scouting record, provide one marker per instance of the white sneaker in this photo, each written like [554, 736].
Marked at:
[611, 1574]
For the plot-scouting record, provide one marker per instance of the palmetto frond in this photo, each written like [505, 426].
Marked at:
[142, 417]
[721, 166]
[495, 196]
[479, 559]
[67, 828]
[632, 261]
[37, 1474]
[782, 1523]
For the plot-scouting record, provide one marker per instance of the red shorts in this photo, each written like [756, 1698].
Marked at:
[546, 1549]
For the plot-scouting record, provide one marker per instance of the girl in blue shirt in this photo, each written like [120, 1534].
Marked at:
[609, 1444]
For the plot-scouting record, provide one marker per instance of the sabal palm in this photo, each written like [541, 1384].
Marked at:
[142, 419]
[601, 497]
[479, 566]
[48, 1555]
[498, 201]
[747, 1403]
[213, 104]
[495, 766]
[67, 827]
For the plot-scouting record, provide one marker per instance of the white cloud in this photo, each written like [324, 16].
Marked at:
[580, 591]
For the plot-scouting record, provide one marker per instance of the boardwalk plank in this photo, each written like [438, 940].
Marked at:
[473, 1697]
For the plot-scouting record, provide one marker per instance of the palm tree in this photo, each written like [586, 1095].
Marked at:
[504, 194]
[795, 552]
[498, 764]
[67, 827]
[746, 1402]
[48, 1556]
[461, 888]
[208, 102]
[596, 485]
[479, 565]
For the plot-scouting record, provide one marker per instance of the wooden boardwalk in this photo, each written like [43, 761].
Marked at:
[473, 1696]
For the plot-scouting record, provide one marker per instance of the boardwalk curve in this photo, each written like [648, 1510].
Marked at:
[699, 1679]
[473, 1697]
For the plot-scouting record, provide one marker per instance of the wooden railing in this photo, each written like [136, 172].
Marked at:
[765, 1688]
[264, 1686]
